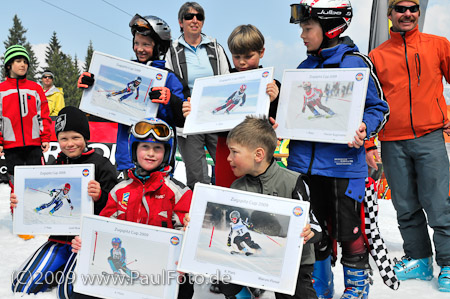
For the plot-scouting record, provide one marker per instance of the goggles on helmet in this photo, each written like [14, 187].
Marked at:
[141, 25]
[144, 128]
[301, 13]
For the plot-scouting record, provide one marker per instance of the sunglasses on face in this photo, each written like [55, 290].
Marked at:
[403, 9]
[190, 16]
[47, 77]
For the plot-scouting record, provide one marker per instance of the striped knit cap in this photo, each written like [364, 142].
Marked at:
[15, 51]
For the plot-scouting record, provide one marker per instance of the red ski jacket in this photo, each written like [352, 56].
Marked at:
[24, 114]
[160, 201]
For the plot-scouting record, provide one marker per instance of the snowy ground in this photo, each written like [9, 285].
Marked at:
[14, 251]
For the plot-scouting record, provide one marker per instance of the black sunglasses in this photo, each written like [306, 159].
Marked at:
[47, 77]
[190, 16]
[403, 9]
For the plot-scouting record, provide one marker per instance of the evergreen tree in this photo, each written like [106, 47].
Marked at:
[65, 70]
[87, 60]
[72, 92]
[55, 60]
[17, 37]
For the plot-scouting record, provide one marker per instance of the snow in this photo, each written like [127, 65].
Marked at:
[14, 251]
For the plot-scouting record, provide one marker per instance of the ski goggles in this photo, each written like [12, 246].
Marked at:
[140, 25]
[301, 13]
[403, 9]
[190, 16]
[144, 128]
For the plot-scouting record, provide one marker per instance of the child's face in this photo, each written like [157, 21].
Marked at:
[143, 47]
[150, 155]
[312, 35]
[72, 143]
[19, 67]
[241, 159]
[247, 61]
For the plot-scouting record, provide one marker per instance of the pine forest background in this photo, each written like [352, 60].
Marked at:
[66, 69]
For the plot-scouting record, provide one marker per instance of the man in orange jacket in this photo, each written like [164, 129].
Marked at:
[410, 66]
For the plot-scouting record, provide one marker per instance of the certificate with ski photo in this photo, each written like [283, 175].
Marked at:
[247, 238]
[51, 199]
[138, 260]
[219, 103]
[322, 105]
[121, 87]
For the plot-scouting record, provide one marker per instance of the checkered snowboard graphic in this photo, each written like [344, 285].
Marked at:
[378, 249]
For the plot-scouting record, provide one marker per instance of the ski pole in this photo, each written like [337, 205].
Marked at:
[268, 237]
[39, 190]
[131, 262]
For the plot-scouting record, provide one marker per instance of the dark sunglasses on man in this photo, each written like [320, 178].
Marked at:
[190, 16]
[403, 9]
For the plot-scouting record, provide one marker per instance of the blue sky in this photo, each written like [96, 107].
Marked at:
[284, 48]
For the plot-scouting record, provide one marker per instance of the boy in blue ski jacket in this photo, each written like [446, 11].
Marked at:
[151, 40]
[337, 172]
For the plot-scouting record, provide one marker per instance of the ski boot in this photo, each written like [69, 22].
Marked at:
[331, 113]
[323, 279]
[51, 211]
[37, 209]
[357, 283]
[409, 268]
[444, 279]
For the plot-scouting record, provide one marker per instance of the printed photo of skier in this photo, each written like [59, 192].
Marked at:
[225, 102]
[236, 98]
[320, 105]
[120, 90]
[241, 238]
[52, 201]
[128, 259]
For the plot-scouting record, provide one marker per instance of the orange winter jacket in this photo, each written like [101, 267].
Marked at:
[410, 67]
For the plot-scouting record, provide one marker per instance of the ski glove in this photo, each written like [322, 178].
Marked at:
[229, 242]
[85, 80]
[160, 95]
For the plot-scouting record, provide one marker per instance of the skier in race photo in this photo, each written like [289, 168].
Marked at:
[313, 98]
[118, 258]
[233, 100]
[58, 196]
[129, 90]
[239, 233]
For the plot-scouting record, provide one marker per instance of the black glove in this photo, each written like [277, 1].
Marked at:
[85, 80]
[229, 242]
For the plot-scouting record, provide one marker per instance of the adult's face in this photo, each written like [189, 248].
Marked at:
[192, 27]
[406, 21]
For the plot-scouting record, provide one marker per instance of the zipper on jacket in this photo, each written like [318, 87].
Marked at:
[21, 112]
[418, 68]
[442, 112]
[409, 79]
[313, 153]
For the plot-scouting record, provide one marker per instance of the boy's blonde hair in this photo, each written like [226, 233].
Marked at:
[244, 39]
[255, 132]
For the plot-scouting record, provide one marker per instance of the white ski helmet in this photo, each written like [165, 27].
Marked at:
[307, 85]
[138, 79]
[154, 27]
[235, 214]
[333, 15]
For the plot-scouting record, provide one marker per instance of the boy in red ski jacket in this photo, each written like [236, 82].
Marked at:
[25, 121]
[150, 195]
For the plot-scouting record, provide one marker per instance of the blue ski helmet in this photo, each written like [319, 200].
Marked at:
[116, 241]
[152, 130]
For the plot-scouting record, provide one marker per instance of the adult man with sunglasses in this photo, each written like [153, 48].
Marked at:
[194, 55]
[410, 66]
